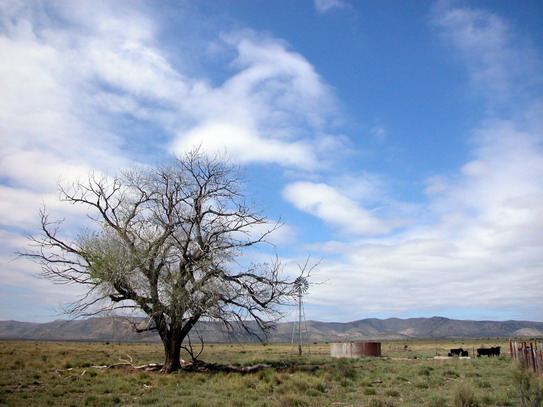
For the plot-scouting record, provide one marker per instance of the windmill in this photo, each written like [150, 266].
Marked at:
[300, 285]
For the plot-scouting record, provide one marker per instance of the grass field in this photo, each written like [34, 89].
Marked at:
[61, 374]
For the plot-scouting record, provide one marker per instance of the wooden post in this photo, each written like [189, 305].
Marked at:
[532, 356]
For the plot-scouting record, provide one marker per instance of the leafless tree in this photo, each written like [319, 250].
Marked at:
[167, 241]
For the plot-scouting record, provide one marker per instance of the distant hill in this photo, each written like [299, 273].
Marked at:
[119, 329]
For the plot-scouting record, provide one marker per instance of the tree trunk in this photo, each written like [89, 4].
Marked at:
[172, 352]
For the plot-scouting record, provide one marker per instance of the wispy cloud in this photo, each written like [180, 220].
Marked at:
[274, 109]
[500, 64]
[481, 249]
[336, 209]
[82, 85]
[324, 6]
[89, 86]
[476, 241]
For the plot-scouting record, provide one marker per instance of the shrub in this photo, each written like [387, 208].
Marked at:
[473, 374]
[464, 396]
[488, 400]
[300, 384]
[90, 400]
[293, 400]
[147, 401]
[529, 387]
[483, 384]
[342, 369]
[424, 372]
[380, 403]
[437, 401]
[450, 373]
[392, 393]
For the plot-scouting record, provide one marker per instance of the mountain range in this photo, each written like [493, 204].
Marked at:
[121, 330]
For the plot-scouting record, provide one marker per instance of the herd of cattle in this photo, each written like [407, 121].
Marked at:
[494, 351]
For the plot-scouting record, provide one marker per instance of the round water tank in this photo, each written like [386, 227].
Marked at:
[355, 349]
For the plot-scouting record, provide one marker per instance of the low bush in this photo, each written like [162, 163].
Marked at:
[392, 393]
[437, 401]
[293, 400]
[529, 386]
[342, 368]
[464, 396]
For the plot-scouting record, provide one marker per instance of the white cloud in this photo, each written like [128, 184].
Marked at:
[365, 187]
[482, 250]
[244, 145]
[53, 124]
[82, 84]
[335, 208]
[274, 109]
[281, 234]
[477, 242]
[40, 170]
[499, 64]
[482, 38]
[498, 197]
[67, 95]
[78, 84]
[324, 6]
[46, 100]
[22, 293]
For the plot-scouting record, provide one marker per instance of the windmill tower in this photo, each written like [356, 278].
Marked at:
[301, 285]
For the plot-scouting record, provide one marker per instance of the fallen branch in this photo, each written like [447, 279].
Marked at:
[199, 366]
[128, 363]
[126, 360]
[203, 367]
[76, 376]
[151, 367]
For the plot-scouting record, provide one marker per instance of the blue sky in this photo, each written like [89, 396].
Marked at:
[399, 142]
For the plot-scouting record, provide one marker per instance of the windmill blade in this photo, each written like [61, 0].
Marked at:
[301, 284]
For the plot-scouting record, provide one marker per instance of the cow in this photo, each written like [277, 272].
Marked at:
[458, 352]
[493, 351]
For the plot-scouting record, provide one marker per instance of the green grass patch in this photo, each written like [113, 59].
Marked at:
[66, 374]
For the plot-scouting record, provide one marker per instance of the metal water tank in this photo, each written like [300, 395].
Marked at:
[355, 349]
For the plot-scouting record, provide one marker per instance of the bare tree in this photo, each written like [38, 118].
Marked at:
[166, 242]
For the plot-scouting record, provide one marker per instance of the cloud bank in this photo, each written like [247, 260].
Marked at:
[95, 86]
[88, 86]
[474, 246]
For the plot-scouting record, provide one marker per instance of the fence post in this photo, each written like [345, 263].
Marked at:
[532, 354]
[528, 355]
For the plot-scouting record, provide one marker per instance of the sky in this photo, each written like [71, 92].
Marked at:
[400, 143]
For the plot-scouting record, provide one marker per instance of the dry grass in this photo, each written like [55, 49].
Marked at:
[61, 374]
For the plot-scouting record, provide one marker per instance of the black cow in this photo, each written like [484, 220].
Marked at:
[494, 351]
[458, 352]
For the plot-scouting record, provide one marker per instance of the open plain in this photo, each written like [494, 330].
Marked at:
[408, 374]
